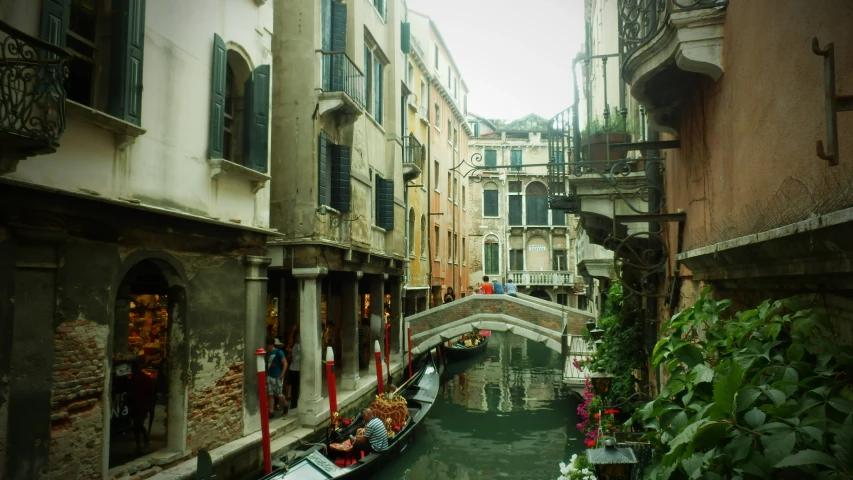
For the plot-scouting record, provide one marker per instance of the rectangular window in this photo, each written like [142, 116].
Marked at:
[410, 76]
[491, 259]
[515, 214]
[464, 252]
[448, 77]
[560, 261]
[455, 188]
[515, 160]
[491, 159]
[334, 174]
[449, 136]
[380, 7]
[455, 137]
[368, 79]
[449, 191]
[437, 116]
[423, 98]
[464, 197]
[377, 90]
[537, 209]
[455, 248]
[373, 82]
[449, 257]
[436, 57]
[435, 175]
[436, 237]
[563, 299]
[583, 302]
[558, 217]
[106, 56]
[516, 260]
[490, 203]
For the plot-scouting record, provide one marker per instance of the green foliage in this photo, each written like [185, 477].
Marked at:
[618, 124]
[765, 393]
[623, 348]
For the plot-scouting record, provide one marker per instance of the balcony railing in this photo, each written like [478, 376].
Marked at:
[542, 278]
[341, 75]
[32, 94]
[414, 151]
[641, 20]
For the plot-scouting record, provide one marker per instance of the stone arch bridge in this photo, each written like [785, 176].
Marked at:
[539, 320]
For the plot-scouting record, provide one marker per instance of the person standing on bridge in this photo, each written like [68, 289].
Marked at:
[497, 288]
[487, 285]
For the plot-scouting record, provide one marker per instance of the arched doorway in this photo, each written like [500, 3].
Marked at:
[147, 400]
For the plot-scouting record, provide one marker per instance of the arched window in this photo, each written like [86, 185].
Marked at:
[537, 204]
[237, 74]
[490, 200]
[423, 235]
[491, 256]
[411, 231]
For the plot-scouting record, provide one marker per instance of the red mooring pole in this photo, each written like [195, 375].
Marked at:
[388, 350]
[265, 418]
[409, 348]
[378, 353]
[330, 382]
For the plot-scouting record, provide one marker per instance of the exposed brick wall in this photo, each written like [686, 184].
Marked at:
[215, 415]
[77, 421]
[497, 304]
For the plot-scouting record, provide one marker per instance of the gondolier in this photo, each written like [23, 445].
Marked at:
[375, 435]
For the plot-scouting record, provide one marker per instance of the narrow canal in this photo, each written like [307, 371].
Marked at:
[506, 414]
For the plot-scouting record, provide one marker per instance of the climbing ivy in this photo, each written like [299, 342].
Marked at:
[622, 350]
[765, 393]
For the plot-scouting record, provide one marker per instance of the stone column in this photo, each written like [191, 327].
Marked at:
[396, 287]
[254, 331]
[310, 330]
[349, 331]
[377, 317]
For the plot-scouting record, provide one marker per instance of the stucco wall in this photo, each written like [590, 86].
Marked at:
[167, 165]
[748, 141]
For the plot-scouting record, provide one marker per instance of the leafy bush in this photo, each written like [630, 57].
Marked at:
[765, 394]
[622, 350]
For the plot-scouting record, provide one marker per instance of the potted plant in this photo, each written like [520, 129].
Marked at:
[596, 136]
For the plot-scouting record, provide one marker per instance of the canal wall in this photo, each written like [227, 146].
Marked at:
[243, 458]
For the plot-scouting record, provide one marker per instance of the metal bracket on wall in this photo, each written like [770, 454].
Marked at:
[834, 103]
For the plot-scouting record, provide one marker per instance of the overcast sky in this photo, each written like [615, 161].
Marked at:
[515, 57]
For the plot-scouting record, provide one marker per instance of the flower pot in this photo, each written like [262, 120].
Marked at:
[594, 149]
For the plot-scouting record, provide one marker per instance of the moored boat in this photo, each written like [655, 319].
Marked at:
[333, 459]
[469, 346]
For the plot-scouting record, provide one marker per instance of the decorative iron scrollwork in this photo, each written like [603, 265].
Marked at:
[642, 256]
[473, 165]
[641, 20]
[32, 86]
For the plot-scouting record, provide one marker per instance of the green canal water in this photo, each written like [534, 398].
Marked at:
[506, 414]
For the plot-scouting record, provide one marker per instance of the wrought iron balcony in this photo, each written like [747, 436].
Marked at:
[342, 85]
[670, 38]
[542, 278]
[32, 96]
[413, 157]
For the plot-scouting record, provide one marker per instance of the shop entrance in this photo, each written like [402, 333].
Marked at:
[143, 381]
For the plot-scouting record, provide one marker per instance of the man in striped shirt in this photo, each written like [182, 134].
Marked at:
[374, 432]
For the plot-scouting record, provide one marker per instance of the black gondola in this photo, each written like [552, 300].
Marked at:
[459, 351]
[312, 464]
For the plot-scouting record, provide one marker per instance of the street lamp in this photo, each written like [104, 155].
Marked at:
[601, 381]
[597, 333]
[590, 324]
[612, 462]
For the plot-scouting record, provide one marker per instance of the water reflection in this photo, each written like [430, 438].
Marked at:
[506, 414]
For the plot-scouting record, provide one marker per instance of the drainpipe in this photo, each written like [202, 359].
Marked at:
[653, 176]
[429, 187]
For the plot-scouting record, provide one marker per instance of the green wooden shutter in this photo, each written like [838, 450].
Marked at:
[125, 99]
[406, 38]
[377, 91]
[338, 28]
[490, 203]
[515, 159]
[515, 217]
[216, 146]
[340, 186]
[492, 262]
[558, 217]
[54, 21]
[326, 12]
[323, 168]
[389, 204]
[537, 210]
[257, 121]
[491, 158]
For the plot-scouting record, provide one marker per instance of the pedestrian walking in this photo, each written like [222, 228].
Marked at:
[276, 366]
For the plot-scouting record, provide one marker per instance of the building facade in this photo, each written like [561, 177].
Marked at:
[339, 202]
[514, 235]
[133, 146]
[447, 145]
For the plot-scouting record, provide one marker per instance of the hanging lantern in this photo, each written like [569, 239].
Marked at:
[590, 324]
[601, 381]
[612, 462]
[597, 333]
